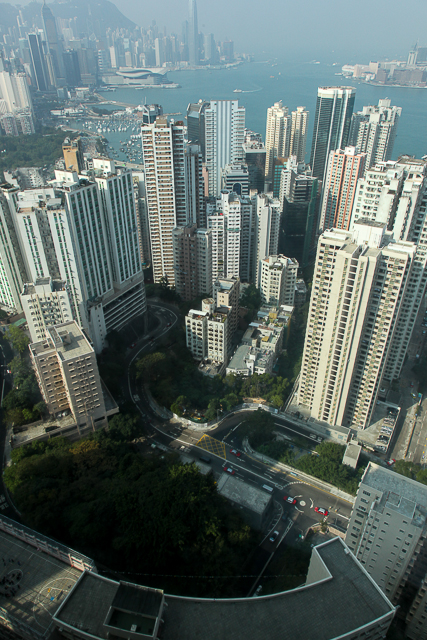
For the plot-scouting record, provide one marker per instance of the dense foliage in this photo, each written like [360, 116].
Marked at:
[411, 470]
[34, 150]
[148, 516]
[325, 463]
[23, 404]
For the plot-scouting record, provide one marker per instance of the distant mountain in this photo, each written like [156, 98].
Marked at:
[93, 17]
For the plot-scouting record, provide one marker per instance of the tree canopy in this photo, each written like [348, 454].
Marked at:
[143, 515]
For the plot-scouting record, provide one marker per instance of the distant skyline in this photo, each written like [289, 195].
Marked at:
[358, 30]
[341, 29]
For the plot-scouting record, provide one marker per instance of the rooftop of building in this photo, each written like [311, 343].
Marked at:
[95, 597]
[285, 614]
[370, 223]
[243, 494]
[44, 581]
[42, 286]
[389, 482]
[67, 339]
[237, 361]
[336, 577]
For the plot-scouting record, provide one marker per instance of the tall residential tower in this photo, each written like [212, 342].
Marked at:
[332, 120]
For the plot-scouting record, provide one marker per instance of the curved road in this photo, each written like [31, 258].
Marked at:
[219, 440]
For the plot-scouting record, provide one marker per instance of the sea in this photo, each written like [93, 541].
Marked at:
[261, 83]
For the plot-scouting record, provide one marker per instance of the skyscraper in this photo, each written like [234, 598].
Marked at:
[299, 126]
[277, 136]
[266, 230]
[54, 45]
[300, 200]
[193, 34]
[196, 124]
[344, 170]
[164, 166]
[373, 131]
[361, 285]
[224, 136]
[332, 121]
[195, 185]
[37, 61]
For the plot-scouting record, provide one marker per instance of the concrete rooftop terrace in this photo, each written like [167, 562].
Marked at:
[67, 339]
[44, 582]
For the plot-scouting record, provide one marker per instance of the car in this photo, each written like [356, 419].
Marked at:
[390, 462]
[412, 384]
[229, 470]
[284, 517]
[290, 499]
[321, 510]
[236, 453]
[168, 324]
[258, 591]
[413, 395]
[274, 536]
[133, 345]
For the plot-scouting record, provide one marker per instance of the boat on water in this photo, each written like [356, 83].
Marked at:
[237, 91]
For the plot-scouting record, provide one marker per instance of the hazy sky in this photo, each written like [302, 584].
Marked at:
[361, 28]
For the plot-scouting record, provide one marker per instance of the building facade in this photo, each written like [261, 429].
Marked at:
[360, 287]
[339, 189]
[373, 131]
[67, 373]
[164, 166]
[332, 120]
[277, 136]
[224, 137]
[298, 140]
[277, 280]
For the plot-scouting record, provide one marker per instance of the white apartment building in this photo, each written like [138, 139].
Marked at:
[207, 332]
[277, 281]
[13, 269]
[224, 137]
[14, 90]
[164, 166]
[339, 190]
[377, 193]
[89, 241]
[116, 188]
[45, 302]
[226, 292]
[230, 221]
[67, 373]
[267, 211]
[387, 533]
[360, 285]
[196, 328]
[298, 140]
[277, 136]
[373, 131]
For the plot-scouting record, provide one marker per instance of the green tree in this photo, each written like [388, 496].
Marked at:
[149, 366]
[258, 427]
[17, 337]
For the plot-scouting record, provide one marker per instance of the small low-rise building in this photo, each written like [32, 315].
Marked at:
[255, 504]
[351, 454]
[249, 360]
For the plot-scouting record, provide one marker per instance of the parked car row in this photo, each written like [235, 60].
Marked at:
[386, 431]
